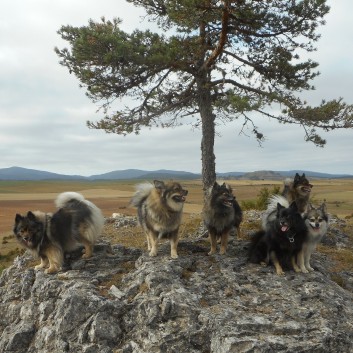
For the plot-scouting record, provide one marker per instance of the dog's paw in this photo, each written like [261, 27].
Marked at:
[51, 270]
[297, 269]
[38, 267]
[174, 256]
[280, 272]
[153, 253]
[310, 269]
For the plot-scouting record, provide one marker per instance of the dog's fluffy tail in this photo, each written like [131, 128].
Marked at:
[287, 184]
[142, 192]
[83, 210]
[274, 199]
[63, 199]
[270, 214]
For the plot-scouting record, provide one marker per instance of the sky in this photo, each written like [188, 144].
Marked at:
[43, 112]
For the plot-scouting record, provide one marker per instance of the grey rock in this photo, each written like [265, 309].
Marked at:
[123, 301]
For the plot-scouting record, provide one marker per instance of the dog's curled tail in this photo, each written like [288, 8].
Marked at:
[142, 192]
[287, 184]
[64, 198]
[274, 200]
[83, 209]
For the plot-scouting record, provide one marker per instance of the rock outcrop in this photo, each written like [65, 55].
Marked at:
[122, 301]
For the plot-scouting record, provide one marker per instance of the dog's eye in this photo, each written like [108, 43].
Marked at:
[312, 219]
[320, 219]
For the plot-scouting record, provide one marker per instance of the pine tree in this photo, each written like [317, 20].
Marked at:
[212, 60]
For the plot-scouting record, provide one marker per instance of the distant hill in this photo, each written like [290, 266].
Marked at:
[119, 174]
[278, 175]
[143, 174]
[18, 173]
[262, 175]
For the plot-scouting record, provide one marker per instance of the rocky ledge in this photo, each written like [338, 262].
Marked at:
[122, 301]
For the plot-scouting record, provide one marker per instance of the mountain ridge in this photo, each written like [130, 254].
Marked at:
[22, 174]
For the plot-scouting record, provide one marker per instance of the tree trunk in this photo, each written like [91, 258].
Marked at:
[208, 133]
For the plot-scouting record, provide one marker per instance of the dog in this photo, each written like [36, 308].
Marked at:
[159, 209]
[298, 190]
[221, 214]
[282, 241]
[48, 236]
[316, 220]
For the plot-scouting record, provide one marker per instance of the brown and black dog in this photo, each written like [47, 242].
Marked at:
[159, 208]
[48, 236]
[298, 190]
[221, 214]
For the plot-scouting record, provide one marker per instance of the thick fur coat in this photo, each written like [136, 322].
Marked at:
[283, 240]
[159, 209]
[298, 190]
[221, 214]
[316, 220]
[77, 221]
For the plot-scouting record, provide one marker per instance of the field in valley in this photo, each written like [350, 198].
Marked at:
[114, 196]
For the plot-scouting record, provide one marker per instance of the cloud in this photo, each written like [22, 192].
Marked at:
[43, 112]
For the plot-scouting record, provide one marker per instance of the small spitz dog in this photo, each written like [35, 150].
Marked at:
[282, 241]
[316, 220]
[159, 209]
[221, 214]
[298, 190]
[77, 221]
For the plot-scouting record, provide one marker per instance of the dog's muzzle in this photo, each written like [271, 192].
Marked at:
[315, 226]
[181, 197]
[284, 226]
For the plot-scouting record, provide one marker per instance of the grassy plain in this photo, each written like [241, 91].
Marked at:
[114, 196]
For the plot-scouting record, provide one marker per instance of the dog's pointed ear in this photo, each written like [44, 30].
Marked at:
[215, 184]
[310, 207]
[323, 207]
[31, 216]
[294, 206]
[159, 184]
[18, 218]
[279, 206]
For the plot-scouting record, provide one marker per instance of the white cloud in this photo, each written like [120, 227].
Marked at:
[43, 112]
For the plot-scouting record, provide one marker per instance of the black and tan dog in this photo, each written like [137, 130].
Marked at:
[159, 208]
[221, 214]
[77, 221]
[298, 190]
[282, 242]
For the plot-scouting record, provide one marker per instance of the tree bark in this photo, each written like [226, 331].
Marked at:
[208, 133]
